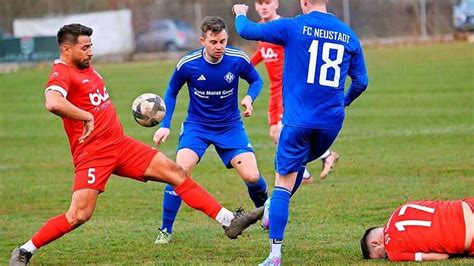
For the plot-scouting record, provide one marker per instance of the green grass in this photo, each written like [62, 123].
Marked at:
[409, 136]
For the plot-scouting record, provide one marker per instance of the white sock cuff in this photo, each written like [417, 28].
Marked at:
[225, 217]
[326, 154]
[29, 246]
[306, 173]
[275, 248]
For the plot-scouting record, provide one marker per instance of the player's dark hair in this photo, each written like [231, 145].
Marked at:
[212, 23]
[69, 33]
[363, 244]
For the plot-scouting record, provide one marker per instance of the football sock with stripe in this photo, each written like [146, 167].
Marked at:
[171, 204]
[279, 211]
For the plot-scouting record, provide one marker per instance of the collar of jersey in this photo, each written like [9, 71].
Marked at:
[322, 13]
[204, 56]
[58, 61]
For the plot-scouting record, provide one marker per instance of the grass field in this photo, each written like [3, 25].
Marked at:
[409, 136]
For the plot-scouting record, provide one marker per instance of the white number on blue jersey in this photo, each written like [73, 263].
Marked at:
[328, 63]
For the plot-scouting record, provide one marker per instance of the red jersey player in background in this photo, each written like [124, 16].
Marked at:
[273, 56]
[423, 230]
[76, 92]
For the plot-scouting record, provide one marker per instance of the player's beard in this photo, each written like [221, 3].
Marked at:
[83, 64]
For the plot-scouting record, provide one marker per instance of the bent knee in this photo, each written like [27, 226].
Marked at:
[251, 177]
[76, 218]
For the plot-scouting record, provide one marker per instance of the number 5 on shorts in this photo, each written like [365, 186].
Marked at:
[91, 176]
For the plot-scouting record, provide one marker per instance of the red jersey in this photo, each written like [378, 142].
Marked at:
[425, 227]
[273, 56]
[86, 90]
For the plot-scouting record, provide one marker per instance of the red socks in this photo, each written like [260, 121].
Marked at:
[53, 229]
[193, 194]
[198, 198]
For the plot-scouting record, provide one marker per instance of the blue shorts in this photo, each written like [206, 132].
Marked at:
[297, 146]
[229, 140]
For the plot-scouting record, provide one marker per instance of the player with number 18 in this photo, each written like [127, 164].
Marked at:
[320, 51]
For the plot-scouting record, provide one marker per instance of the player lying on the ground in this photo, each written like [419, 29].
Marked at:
[423, 230]
[76, 92]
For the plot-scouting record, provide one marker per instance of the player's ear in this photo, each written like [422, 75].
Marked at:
[66, 48]
[202, 40]
[376, 242]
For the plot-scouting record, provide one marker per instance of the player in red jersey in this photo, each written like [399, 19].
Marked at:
[273, 56]
[76, 93]
[423, 230]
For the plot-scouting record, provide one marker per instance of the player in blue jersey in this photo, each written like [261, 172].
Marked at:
[320, 51]
[212, 74]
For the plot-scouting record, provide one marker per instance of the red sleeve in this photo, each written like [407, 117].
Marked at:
[256, 57]
[400, 256]
[274, 109]
[58, 80]
[275, 103]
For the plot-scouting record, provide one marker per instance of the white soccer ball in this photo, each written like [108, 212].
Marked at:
[148, 109]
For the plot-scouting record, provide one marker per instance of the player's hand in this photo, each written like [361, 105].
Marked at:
[240, 9]
[88, 128]
[247, 103]
[274, 132]
[161, 135]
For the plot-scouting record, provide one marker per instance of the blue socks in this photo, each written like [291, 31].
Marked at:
[258, 192]
[279, 212]
[299, 179]
[171, 203]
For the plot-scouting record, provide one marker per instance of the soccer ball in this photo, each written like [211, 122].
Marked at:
[148, 109]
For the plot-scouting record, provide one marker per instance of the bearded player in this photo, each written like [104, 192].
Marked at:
[76, 92]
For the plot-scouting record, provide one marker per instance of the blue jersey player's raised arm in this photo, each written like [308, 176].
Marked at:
[212, 76]
[320, 51]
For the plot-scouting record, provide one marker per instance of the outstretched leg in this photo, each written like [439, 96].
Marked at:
[162, 169]
[82, 206]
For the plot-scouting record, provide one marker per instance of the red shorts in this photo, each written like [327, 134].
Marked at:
[128, 157]
[470, 202]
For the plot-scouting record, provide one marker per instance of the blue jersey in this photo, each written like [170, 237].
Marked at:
[320, 51]
[213, 87]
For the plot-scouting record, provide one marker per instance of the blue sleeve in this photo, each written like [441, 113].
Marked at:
[250, 74]
[358, 74]
[177, 81]
[358, 86]
[275, 31]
